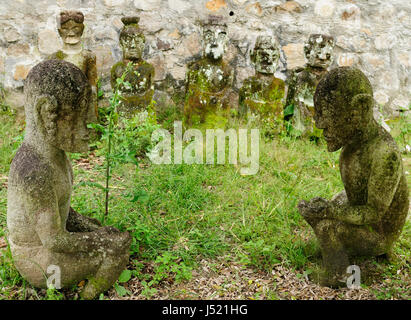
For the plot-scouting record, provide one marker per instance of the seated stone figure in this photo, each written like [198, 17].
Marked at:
[137, 90]
[303, 82]
[367, 217]
[43, 229]
[71, 28]
[263, 93]
[209, 80]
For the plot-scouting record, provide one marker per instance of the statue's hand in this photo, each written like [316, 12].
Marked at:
[315, 208]
[120, 239]
[110, 230]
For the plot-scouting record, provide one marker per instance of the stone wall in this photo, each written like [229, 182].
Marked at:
[373, 35]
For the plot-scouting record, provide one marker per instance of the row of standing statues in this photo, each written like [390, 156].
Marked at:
[366, 218]
[209, 92]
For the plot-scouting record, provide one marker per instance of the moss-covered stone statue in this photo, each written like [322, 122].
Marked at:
[137, 90]
[263, 93]
[209, 80]
[71, 28]
[299, 106]
[367, 217]
[43, 229]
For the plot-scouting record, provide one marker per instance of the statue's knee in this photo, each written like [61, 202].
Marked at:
[325, 226]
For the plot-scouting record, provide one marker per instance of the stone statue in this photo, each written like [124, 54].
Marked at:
[263, 93]
[367, 217]
[71, 27]
[209, 80]
[302, 83]
[137, 90]
[43, 229]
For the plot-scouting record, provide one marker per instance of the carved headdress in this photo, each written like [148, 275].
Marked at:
[131, 26]
[65, 16]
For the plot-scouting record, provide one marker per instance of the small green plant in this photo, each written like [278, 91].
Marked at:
[53, 294]
[125, 276]
[260, 254]
[169, 265]
[124, 139]
[100, 92]
[133, 137]
[107, 132]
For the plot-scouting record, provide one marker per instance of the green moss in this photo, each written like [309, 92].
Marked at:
[260, 97]
[95, 286]
[301, 89]
[136, 92]
[206, 101]
[60, 55]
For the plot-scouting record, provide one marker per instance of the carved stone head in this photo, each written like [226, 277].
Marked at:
[132, 40]
[59, 105]
[214, 38]
[71, 26]
[343, 104]
[319, 50]
[266, 54]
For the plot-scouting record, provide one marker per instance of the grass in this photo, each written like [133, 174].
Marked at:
[180, 214]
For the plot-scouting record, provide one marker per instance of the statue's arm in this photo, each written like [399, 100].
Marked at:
[92, 69]
[291, 84]
[76, 222]
[53, 234]
[385, 175]
[116, 72]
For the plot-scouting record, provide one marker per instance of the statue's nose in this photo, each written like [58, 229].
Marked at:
[323, 56]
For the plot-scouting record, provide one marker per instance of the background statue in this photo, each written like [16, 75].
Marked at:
[71, 28]
[303, 82]
[367, 217]
[263, 93]
[43, 229]
[137, 90]
[209, 80]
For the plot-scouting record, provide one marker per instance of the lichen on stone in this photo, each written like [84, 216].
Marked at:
[43, 229]
[137, 88]
[70, 28]
[367, 217]
[209, 80]
[263, 93]
[299, 105]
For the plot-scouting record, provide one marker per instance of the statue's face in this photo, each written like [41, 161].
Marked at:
[215, 42]
[72, 134]
[338, 129]
[266, 56]
[71, 32]
[318, 51]
[133, 46]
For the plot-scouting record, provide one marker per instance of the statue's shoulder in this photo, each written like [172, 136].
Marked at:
[277, 82]
[293, 75]
[304, 74]
[90, 55]
[118, 67]
[30, 170]
[148, 66]
[195, 65]
[385, 144]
